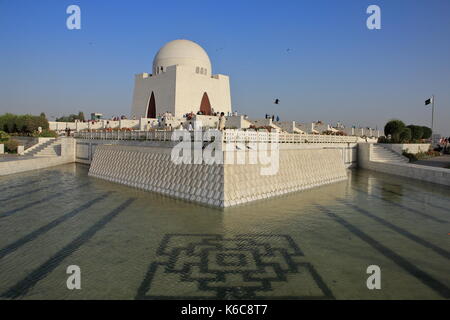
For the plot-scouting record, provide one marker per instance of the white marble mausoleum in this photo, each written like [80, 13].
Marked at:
[181, 82]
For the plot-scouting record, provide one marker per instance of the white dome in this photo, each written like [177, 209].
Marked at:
[182, 52]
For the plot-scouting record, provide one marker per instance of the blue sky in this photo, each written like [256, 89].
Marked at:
[317, 57]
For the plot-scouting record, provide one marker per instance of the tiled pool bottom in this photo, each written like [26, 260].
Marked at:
[131, 244]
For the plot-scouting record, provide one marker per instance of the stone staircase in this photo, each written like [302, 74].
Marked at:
[382, 154]
[50, 148]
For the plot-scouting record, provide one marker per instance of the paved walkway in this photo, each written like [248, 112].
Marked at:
[440, 161]
[13, 157]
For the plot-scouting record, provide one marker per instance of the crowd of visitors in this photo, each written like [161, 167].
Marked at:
[444, 145]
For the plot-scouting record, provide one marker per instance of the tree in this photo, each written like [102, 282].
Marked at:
[28, 123]
[8, 122]
[19, 124]
[81, 116]
[405, 135]
[71, 117]
[41, 122]
[426, 132]
[394, 128]
[25, 124]
[11, 145]
[416, 132]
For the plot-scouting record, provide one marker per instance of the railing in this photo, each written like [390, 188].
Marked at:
[228, 136]
[126, 135]
[283, 137]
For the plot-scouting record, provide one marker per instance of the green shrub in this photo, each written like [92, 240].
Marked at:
[426, 155]
[394, 128]
[426, 132]
[4, 136]
[416, 132]
[46, 133]
[383, 140]
[420, 155]
[11, 146]
[405, 135]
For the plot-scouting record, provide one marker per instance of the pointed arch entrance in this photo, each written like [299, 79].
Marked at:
[205, 106]
[151, 108]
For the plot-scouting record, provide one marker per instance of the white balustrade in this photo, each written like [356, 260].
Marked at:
[228, 136]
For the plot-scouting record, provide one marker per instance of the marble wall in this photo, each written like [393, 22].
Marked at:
[220, 185]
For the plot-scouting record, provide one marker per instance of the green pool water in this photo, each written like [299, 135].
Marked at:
[131, 244]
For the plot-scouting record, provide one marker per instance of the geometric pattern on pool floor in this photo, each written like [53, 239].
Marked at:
[245, 266]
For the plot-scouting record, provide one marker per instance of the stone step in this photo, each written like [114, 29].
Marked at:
[382, 154]
[36, 148]
[53, 149]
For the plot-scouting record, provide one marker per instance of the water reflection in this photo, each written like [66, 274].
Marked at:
[131, 244]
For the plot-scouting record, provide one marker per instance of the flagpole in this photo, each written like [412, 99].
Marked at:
[432, 118]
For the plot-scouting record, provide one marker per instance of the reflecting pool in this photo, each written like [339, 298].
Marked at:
[315, 244]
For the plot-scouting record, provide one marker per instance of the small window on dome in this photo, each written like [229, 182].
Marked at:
[197, 70]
